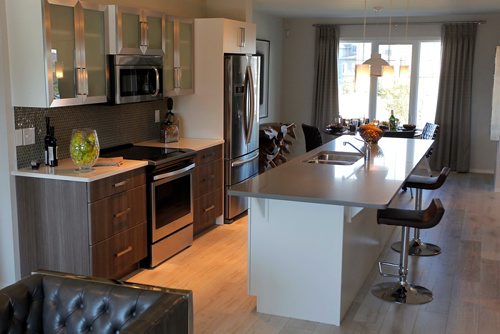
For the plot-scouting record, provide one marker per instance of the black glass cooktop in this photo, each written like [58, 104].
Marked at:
[154, 155]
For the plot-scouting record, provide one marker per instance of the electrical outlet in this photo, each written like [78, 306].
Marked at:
[19, 137]
[157, 116]
[28, 136]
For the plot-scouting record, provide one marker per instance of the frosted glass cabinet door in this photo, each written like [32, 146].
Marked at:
[178, 63]
[139, 31]
[62, 54]
[131, 31]
[168, 59]
[186, 54]
[95, 57]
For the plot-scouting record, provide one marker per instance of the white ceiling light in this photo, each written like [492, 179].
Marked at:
[362, 70]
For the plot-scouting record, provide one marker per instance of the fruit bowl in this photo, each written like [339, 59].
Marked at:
[370, 133]
[409, 126]
[84, 148]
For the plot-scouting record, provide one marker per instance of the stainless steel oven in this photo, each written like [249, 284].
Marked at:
[135, 78]
[171, 209]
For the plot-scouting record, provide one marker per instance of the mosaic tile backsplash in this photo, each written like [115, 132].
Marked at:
[115, 125]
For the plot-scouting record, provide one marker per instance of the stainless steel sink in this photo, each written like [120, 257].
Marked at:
[335, 158]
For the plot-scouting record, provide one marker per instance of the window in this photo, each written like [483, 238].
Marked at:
[411, 92]
[354, 95]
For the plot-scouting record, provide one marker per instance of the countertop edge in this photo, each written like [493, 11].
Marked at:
[135, 164]
[196, 144]
[312, 200]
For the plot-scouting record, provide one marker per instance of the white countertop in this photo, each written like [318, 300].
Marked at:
[372, 185]
[196, 144]
[67, 171]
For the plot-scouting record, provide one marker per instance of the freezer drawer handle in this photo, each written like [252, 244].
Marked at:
[123, 252]
[240, 162]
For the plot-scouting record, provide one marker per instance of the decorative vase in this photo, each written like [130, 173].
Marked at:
[84, 148]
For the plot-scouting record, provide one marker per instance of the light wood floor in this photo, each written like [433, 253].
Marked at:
[465, 278]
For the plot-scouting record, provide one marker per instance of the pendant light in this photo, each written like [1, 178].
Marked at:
[375, 62]
[404, 70]
[362, 70]
[388, 70]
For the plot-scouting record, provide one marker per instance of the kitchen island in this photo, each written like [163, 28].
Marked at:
[313, 236]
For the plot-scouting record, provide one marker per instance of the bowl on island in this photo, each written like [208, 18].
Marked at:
[409, 126]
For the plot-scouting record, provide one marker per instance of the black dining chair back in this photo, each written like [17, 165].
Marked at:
[429, 131]
[400, 134]
[312, 137]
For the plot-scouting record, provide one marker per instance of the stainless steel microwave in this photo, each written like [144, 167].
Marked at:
[134, 78]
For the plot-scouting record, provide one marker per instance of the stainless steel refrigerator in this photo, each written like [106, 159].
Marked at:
[241, 127]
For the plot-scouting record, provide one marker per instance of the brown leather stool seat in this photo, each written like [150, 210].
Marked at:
[403, 292]
[417, 246]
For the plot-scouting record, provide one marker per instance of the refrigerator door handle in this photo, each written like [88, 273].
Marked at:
[249, 125]
[240, 162]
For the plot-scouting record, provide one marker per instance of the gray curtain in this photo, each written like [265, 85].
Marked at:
[326, 102]
[453, 112]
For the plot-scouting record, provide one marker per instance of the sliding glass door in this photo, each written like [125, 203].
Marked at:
[410, 91]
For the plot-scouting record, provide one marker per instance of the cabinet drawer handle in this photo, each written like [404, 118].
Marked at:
[211, 207]
[123, 252]
[122, 213]
[120, 184]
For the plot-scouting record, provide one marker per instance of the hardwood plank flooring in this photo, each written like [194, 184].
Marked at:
[465, 278]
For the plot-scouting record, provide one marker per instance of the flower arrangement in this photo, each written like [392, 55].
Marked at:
[370, 133]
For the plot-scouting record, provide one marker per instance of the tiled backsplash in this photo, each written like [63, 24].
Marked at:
[115, 125]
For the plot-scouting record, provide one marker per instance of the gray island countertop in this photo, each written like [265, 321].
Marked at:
[372, 184]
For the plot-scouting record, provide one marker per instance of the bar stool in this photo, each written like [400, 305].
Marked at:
[417, 246]
[403, 292]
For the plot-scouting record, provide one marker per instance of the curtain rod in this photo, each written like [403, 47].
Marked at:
[397, 23]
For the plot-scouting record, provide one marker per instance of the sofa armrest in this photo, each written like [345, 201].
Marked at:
[172, 314]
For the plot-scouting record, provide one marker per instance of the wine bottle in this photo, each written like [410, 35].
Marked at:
[52, 149]
[392, 122]
[46, 140]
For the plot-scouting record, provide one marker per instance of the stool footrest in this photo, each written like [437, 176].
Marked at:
[388, 264]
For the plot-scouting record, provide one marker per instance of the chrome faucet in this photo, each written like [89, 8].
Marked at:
[365, 154]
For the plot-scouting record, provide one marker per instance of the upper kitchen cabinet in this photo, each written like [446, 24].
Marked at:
[57, 52]
[239, 37]
[179, 57]
[135, 31]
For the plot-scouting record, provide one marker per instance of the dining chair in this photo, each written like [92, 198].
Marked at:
[400, 134]
[312, 137]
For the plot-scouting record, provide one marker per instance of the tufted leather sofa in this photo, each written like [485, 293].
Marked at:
[49, 302]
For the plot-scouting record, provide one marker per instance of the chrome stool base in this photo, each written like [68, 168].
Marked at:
[418, 248]
[402, 293]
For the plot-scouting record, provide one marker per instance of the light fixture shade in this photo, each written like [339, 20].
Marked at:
[59, 70]
[404, 70]
[388, 71]
[362, 71]
[376, 62]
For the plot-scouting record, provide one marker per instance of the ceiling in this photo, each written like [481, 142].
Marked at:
[355, 8]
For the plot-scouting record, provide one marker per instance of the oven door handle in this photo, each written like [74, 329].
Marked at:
[174, 173]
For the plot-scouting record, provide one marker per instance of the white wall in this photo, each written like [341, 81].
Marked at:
[298, 74]
[271, 28]
[8, 229]
[240, 10]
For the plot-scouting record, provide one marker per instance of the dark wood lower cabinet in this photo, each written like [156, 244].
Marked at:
[61, 229]
[207, 188]
[113, 257]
